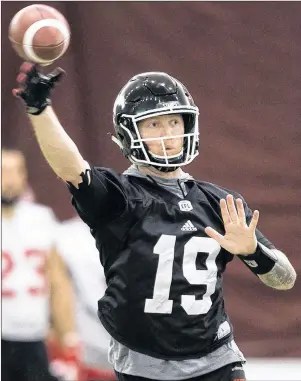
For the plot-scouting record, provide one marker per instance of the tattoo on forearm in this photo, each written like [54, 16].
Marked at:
[282, 276]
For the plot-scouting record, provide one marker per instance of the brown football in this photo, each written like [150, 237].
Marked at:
[39, 33]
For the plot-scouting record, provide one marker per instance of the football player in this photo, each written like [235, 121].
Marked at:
[164, 238]
[82, 260]
[35, 285]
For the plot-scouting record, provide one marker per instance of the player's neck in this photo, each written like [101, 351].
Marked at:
[165, 175]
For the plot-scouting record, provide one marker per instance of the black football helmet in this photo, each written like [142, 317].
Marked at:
[148, 95]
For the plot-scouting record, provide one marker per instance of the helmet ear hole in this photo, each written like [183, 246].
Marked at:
[125, 135]
[121, 120]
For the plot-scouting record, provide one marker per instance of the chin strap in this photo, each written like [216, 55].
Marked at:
[161, 169]
[165, 169]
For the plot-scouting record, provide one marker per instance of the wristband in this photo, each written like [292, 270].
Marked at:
[38, 108]
[262, 261]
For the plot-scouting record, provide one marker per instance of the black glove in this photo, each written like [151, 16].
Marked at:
[35, 88]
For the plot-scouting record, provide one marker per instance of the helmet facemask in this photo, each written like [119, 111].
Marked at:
[135, 147]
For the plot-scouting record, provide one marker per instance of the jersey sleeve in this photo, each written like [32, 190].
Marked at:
[100, 197]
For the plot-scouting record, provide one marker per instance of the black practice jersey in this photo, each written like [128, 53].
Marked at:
[164, 294]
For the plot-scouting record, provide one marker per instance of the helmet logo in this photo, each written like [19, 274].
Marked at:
[167, 104]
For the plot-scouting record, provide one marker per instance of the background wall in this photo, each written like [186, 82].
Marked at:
[241, 62]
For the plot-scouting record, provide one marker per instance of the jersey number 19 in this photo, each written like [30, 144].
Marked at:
[165, 248]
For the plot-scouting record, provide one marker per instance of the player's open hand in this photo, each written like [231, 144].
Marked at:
[239, 238]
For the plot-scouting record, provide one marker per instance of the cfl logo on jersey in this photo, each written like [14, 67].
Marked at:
[185, 205]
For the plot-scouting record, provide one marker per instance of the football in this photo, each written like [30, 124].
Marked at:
[39, 33]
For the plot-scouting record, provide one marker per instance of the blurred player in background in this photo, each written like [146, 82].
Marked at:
[35, 285]
[77, 248]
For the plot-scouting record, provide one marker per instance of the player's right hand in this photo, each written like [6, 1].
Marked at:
[35, 88]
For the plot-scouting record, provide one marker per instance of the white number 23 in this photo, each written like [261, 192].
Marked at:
[165, 248]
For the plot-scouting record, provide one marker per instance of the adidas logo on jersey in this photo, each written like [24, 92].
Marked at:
[188, 227]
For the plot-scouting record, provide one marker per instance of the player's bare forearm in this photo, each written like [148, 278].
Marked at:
[282, 276]
[57, 147]
[62, 298]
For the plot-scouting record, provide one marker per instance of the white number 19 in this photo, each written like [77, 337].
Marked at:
[165, 248]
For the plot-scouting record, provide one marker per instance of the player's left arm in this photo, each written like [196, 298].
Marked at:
[282, 276]
[61, 299]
